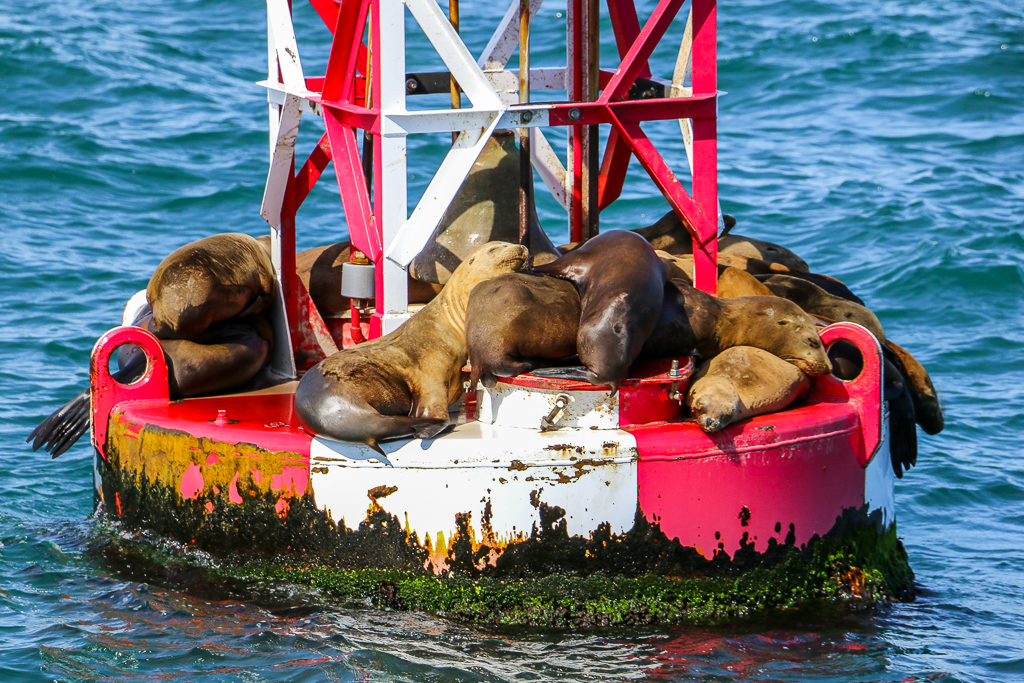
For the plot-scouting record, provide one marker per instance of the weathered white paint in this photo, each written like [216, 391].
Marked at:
[879, 479]
[508, 405]
[511, 469]
[281, 161]
[505, 38]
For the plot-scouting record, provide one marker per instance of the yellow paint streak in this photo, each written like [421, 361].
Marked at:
[162, 456]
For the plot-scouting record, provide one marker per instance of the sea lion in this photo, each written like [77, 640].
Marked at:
[485, 209]
[208, 304]
[741, 382]
[320, 268]
[232, 355]
[668, 234]
[813, 299]
[761, 269]
[621, 282]
[692, 320]
[401, 384]
[847, 364]
[927, 409]
[518, 322]
[732, 282]
[213, 279]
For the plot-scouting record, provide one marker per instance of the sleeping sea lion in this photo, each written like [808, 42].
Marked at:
[847, 364]
[692, 320]
[216, 278]
[668, 234]
[485, 209]
[320, 268]
[401, 384]
[927, 409]
[208, 303]
[732, 282]
[518, 322]
[760, 268]
[621, 283]
[814, 299]
[742, 382]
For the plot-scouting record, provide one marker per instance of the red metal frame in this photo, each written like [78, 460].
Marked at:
[343, 101]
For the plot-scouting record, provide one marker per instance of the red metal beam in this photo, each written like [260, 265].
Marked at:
[355, 200]
[311, 170]
[636, 59]
[345, 47]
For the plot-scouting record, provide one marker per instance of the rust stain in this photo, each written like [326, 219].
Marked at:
[517, 466]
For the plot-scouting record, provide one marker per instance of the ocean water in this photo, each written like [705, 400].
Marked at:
[882, 140]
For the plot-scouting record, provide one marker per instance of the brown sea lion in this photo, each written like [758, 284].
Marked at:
[208, 303]
[621, 282]
[762, 269]
[742, 382]
[927, 409]
[320, 268]
[732, 282]
[692, 320]
[518, 322]
[847, 364]
[213, 279]
[668, 234]
[485, 209]
[813, 299]
[401, 384]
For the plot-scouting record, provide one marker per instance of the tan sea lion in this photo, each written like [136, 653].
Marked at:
[401, 384]
[813, 299]
[668, 234]
[927, 409]
[485, 209]
[621, 283]
[692, 320]
[742, 382]
[518, 322]
[216, 278]
[732, 282]
[762, 269]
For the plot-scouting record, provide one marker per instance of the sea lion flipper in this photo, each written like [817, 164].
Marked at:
[927, 409]
[63, 427]
[578, 373]
[902, 434]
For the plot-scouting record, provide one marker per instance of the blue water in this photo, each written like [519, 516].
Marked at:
[883, 140]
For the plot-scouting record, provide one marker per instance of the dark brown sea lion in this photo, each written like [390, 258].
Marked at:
[927, 409]
[485, 209]
[732, 282]
[401, 384]
[761, 269]
[668, 234]
[518, 322]
[621, 282]
[692, 320]
[814, 299]
[320, 268]
[208, 306]
[213, 279]
[742, 382]
[847, 364]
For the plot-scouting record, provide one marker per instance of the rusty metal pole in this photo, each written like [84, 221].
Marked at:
[453, 17]
[525, 166]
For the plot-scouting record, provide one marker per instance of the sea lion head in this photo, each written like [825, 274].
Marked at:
[789, 333]
[486, 262]
[714, 403]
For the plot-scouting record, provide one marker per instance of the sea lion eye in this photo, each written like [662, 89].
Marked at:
[783, 322]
